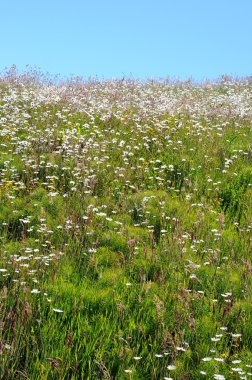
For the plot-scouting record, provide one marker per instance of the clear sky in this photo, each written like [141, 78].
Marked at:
[202, 39]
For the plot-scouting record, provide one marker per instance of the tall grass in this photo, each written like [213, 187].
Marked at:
[125, 221]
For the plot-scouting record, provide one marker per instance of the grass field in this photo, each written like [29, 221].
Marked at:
[125, 229]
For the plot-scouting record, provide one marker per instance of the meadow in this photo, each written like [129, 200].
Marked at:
[125, 229]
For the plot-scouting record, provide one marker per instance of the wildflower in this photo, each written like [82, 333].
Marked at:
[236, 335]
[219, 359]
[58, 311]
[219, 377]
[180, 349]
[236, 369]
[193, 276]
[52, 194]
[35, 291]
[207, 359]
[171, 367]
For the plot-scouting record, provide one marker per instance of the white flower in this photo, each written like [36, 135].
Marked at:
[35, 291]
[58, 311]
[207, 359]
[53, 194]
[219, 359]
[193, 276]
[236, 369]
[171, 367]
[180, 349]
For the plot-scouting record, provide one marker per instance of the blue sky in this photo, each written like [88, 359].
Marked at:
[202, 39]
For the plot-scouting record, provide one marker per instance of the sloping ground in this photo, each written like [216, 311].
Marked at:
[125, 218]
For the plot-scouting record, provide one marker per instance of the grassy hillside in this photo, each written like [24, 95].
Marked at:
[125, 230]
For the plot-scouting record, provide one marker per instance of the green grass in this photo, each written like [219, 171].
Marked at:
[125, 245]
